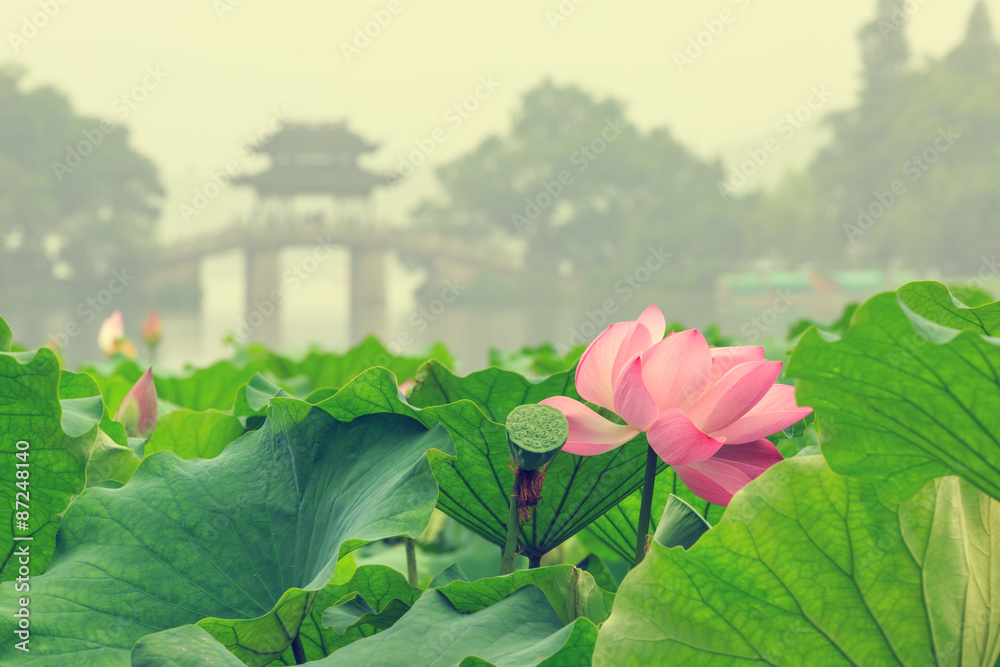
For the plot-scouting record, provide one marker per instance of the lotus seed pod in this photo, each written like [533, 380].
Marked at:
[535, 434]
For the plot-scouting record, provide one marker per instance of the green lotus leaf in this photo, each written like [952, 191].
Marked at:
[47, 471]
[475, 488]
[903, 399]
[808, 567]
[191, 434]
[240, 544]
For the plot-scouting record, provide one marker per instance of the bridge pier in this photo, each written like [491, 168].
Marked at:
[367, 293]
[263, 296]
[455, 264]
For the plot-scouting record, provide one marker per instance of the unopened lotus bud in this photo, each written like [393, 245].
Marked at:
[152, 330]
[138, 411]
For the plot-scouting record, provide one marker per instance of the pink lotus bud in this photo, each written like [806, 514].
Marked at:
[112, 329]
[152, 329]
[138, 410]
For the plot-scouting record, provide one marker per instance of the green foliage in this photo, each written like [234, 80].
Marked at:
[884, 50]
[202, 389]
[191, 434]
[239, 544]
[616, 529]
[103, 209]
[808, 567]
[256, 517]
[245, 383]
[578, 489]
[184, 645]
[519, 631]
[978, 53]
[6, 337]
[335, 370]
[938, 304]
[53, 462]
[611, 201]
[370, 601]
[539, 360]
[915, 155]
[933, 132]
[971, 295]
[253, 398]
[572, 592]
[475, 487]
[838, 327]
[599, 570]
[680, 525]
[904, 397]
[108, 455]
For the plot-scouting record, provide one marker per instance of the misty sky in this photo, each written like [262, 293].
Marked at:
[227, 66]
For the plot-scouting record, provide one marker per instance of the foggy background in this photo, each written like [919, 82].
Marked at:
[745, 135]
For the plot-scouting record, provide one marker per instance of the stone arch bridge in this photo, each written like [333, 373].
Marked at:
[368, 244]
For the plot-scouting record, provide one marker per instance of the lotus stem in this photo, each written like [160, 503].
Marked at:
[513, 527]
[645, 509]
[535, 434]
[298, 651]
[411, 561]
[534, 561]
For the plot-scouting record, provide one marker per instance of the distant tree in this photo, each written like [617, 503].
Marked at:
[952, 219]
[793, 223]
[585, 191]
[859, 157]
[884, 49]
[75, 200]
[978, 53]
[910, 171]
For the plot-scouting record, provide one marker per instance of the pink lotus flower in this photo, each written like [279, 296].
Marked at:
[112, 330]
[152, 329]
[138, 411]
[705, 411]
[111, 338]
